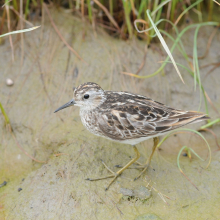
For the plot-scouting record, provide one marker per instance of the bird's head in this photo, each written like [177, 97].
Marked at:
[87, 96]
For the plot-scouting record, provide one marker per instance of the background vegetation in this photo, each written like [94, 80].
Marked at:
[144, 19]
[128, 20]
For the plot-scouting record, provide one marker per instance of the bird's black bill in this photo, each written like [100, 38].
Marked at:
[68, 104]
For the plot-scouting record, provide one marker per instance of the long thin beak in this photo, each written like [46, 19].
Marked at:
[68, 104]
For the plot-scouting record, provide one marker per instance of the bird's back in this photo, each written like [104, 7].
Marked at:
[126, 116]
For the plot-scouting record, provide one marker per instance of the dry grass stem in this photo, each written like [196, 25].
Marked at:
[161, 195]
[59, 34]
[27, 22]
[216, 65]
[9, 30]
[143, 62]
[82, 8]
[16, 141]
[22, 35]
[208, 44]
[213, 133]
[211, 103]
[108, 14]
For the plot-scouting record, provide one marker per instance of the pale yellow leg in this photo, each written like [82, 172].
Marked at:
[119, 172]
[146, 165]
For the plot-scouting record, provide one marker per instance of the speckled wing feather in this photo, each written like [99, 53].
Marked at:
[129, 116]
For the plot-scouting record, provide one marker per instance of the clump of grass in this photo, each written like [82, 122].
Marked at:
[122, 13]
[119, 17]
[195, 72]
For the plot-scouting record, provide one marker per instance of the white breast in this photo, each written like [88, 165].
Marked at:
[90, 122]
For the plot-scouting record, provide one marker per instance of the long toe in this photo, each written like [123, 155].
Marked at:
[116, 176]
[119, 172]
[118, 166]
[100, 178]
[143, 171]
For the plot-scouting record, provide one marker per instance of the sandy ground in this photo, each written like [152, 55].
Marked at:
[43, 80]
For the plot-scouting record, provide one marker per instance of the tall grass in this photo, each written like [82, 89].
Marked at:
[123, 12]
[138, 12]
[166, 14]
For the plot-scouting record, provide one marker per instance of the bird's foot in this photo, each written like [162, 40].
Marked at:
[114, 176]
[144, 167]
[119, 172]
[139, 166]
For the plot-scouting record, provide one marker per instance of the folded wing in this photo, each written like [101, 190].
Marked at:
[136, 121]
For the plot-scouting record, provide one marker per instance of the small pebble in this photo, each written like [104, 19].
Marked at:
[9, 82]
[187, 20]
[3, 184]
[127, 192]
[142, 192]
[75, 74]
[148, 216]
[19, 189]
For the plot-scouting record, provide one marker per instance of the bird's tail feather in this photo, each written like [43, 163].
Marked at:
[190, 117]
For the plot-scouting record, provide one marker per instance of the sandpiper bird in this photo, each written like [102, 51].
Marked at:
[127, 118]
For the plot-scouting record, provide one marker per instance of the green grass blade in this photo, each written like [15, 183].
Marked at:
[178, 164]
[178, 157]
[181, 48]
[210, 10]
[155, 5]
[160, 6]
[196, 154]
[141, 8]
[111, 7]
[173, 7]
[27, 9]
[7, 121]
[210, 123]
[164, 44]
[89, 10]
[15, 4]
[190, 130]
[6, 3]
[186, 10]
[173, 47]
[127, 10]
[196, 64]
[203, 90]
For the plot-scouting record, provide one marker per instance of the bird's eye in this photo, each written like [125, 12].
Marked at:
[86, 96]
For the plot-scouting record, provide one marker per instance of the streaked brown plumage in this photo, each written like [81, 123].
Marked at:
[125, 117]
